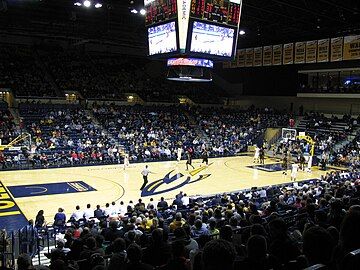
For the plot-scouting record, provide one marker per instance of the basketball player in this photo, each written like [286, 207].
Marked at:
[284, 163]
[302, 162]
[126, 161]
[145, 172]
[189, 161]
[294, 170]
[256, 154]
[205, 157]
[179, 153]
[262, 155]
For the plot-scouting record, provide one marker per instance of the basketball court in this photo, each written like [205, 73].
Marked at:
[29, 191]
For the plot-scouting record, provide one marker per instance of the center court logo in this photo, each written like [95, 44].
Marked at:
[174, 181]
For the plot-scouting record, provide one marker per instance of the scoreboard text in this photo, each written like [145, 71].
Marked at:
[222, 11]
[160, 11]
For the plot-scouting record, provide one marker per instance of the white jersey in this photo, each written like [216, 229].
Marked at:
[145, 172]
[257, 152]
[179, 153]
[126, 160]
[294, 170]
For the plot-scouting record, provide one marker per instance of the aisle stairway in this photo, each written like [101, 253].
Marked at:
[199, 132]
[43, 259]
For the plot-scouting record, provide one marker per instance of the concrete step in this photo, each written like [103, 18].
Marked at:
[43, 259]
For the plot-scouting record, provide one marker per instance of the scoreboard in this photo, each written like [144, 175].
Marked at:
[221, 11]
[193, 28]
[159, 11]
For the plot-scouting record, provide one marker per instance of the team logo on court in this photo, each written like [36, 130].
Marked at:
[172, 181]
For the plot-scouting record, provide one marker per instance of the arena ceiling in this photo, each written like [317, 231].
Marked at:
[264, 21]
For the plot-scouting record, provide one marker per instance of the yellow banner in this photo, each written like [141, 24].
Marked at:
[249, 57]
[300, 52]
[267, 56]
[352, 47]
[241, 57]
[258, 56]
[288, 54]
[336, 49]
[311, 48]
[277, 55]
[323, 50]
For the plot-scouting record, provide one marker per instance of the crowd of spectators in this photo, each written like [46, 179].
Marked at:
[20, 71]
[36, 72]
[349, 154]
[64, 135]
[74, 71]
[67, 135]
[148, 133]
[320, 121]
[8, 130]
[290, 226]
[230, 131]
[330, 135]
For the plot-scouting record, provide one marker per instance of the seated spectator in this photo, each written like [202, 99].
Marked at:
[282, 246]
[78, 214]
[118, 257]
[178, 222]
[88, 213]
[98, 213]
[134, 255]
[162, 205]
[318, 246]
[159, 251]
[24, 262]
[178, 260]
[218, 254]
[60, 218]
[199, 229]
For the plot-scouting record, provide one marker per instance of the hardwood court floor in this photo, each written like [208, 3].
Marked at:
[49, 189]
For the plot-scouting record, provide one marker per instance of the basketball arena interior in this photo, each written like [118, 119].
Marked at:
[179, 134]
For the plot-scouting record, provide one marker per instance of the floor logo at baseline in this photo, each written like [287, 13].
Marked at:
[275, 167]
[11, 218]
[49, 189]
[153, 188]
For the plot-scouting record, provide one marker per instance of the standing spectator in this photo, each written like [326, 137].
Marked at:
[40, 220]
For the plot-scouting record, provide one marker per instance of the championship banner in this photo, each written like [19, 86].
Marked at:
[336, 49]
[323, 50]
[241, 57]
[352, 47]
[258, 56]
[267, 56]
[300, 52]
[277, 55]
[311, 48]
[288, 54]
[249, 57]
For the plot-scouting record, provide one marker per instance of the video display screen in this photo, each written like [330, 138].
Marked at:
[162, 38]
[212, 39]
[195, 62]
